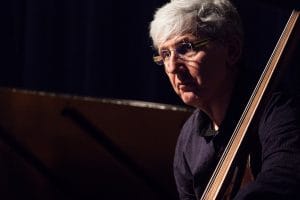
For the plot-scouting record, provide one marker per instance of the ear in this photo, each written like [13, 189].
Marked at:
[234, 50]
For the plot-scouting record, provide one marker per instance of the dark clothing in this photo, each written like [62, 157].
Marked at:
[278, 160]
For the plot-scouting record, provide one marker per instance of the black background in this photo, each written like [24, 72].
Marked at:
[102, 48]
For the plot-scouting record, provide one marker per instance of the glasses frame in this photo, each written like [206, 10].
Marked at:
[195, 46]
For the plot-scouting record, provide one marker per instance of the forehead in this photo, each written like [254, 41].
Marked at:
[172, 41]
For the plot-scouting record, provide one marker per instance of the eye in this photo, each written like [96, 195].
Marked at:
[164, 53]
[184, 48]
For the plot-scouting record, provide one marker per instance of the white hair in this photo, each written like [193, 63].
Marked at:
[212, 18]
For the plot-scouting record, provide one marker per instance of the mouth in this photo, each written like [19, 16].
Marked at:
[185, 87]
[185, 82]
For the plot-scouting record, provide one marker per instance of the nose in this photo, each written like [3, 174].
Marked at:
[173, 63]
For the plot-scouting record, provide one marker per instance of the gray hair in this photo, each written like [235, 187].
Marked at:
[212, 18]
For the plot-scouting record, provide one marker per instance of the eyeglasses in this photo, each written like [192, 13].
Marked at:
[183, 49]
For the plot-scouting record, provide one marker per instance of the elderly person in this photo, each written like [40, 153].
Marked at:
[199, 43]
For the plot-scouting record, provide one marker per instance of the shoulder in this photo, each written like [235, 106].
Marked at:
[191, 140]
[281, 105]
[190, 131]
[191, 126]
[281, 113]
[188, 128]
[193, 150]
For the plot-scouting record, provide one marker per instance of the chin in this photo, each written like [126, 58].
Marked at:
[190, 99]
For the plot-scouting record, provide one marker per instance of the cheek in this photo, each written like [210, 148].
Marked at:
[213, 66]
[196, 75]
[172, 80]
[197, 69]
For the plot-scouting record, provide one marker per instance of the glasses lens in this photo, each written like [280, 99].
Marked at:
[165, 54]
[184, 48]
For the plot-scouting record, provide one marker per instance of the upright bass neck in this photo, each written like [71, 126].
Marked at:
[279, 59]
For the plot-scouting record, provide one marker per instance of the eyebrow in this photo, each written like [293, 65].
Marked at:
[185, 38]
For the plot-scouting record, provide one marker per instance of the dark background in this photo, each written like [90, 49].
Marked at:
[102, 48]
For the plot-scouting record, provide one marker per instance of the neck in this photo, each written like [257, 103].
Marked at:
[216, 107]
